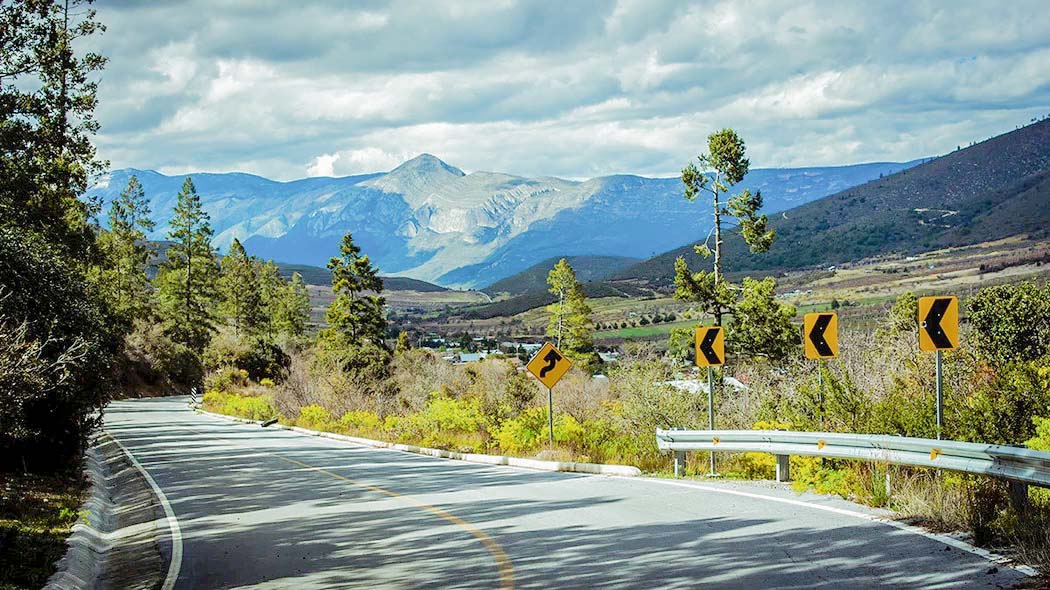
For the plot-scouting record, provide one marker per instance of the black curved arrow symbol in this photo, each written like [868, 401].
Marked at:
[816, 335]
[932, 323]
[706, 347]
[552, 359]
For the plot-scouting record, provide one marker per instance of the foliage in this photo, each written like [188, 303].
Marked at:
[126, 252]
[259, 357]
[1000, 408]
[723, 166]
[242, 299]
[570, 322]
[356, 314]
[251, 407]
[761, 325]
[187, 281]
[404, 343]
[47, 102]
[314, 417]
[1010, 323]
[290, 310]
[158, 360]
[904, 316]
[1041, 440]
[681, 343]
[58, 354]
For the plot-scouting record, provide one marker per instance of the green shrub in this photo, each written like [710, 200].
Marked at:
[258, 356]
[525, 433]
[314, 417]
[251, 407]
[361, 422]
[158, 360]
[226, 378]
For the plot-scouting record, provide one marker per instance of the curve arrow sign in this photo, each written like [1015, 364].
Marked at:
[710, 346]
[939, 323]
[822, 340]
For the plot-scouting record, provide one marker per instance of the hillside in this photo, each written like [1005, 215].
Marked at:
[431, 221]
[539, 298]
[994, 189]
[588, 269]
[315, 275]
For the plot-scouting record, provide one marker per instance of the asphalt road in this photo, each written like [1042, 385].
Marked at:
[262, 508]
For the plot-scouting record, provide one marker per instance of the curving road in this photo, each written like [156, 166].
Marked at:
[261, 508]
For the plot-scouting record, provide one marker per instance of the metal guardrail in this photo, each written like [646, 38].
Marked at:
[1012, 463]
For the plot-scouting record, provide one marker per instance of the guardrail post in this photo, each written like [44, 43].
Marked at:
[783, 468]
[1019, 495]
[679, 463]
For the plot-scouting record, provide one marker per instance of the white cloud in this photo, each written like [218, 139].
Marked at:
[323, 165]
[572, 89]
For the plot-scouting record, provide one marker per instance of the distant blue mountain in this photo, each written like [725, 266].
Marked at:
[428, 220]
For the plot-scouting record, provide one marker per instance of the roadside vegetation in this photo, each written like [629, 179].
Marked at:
[348, 380]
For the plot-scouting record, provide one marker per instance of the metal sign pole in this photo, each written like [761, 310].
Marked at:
[940, 394]
[550, 415]
[711, 410]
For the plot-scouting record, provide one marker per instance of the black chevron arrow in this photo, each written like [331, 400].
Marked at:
[816, 335]
[932, 323]
[552, 359]
[706, 347]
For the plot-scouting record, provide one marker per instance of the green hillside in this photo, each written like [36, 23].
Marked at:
[994, 189]
[315, 275]
[589, 269]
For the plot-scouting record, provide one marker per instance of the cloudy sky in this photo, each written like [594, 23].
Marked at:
[568, 88]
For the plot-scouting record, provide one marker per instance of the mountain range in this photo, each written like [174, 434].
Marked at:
[429, 220]
[997, 188]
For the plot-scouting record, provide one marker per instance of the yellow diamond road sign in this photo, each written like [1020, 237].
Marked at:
[938, 323]
[549, 365]
[820, 334]
[710, 346]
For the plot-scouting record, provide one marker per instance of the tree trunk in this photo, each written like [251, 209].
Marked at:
[718, 255]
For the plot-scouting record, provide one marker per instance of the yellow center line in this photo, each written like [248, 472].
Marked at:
[506, 570]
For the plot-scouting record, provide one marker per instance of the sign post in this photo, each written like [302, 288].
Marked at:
[821, 342]
[549, 366]
[939, 331]
[710, 353]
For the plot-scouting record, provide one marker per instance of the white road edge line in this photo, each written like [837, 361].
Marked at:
[173, 523]
[961, 545]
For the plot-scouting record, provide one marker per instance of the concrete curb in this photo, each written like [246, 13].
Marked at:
[536, 464]
[115, 545]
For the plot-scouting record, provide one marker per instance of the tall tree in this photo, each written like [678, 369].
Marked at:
[291, 309]
[723, 166]
[121, 275]
[242, 299]
[187, 283]
[47, 102]
[570, 322]
[357, 312]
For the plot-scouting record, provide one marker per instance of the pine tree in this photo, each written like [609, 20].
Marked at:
[187, 283]
[570, 322]
[723, 166]
[357, 313]
[242, 299]
[46, 123]
[291, 311]
[126, 253]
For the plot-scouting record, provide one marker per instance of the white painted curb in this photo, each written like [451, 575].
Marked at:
[566, 466]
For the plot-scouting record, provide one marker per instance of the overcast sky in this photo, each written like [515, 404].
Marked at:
[566, 88]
